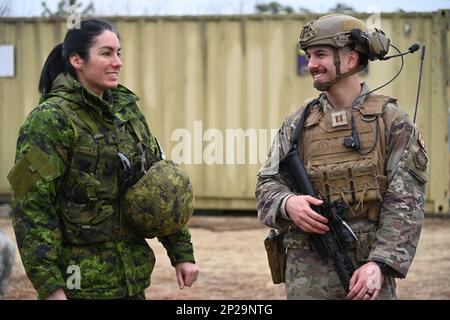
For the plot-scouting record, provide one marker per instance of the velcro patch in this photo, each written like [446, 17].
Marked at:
[339, 118]
[33, 167]
[421, 160]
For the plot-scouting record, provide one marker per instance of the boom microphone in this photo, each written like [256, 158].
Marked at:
[411, 49]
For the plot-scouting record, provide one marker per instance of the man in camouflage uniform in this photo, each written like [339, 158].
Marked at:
[67, 183]
[382, 180]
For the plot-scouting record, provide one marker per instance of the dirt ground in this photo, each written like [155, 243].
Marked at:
[232, 260]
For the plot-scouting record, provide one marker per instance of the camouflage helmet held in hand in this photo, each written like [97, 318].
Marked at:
[161, 202]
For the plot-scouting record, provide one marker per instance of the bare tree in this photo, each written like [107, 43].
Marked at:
[5, 7]
[65, 8]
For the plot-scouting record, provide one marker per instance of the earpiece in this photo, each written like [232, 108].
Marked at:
[374, 43]
[379, 43]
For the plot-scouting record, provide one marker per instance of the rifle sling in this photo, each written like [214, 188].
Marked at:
[298, 133]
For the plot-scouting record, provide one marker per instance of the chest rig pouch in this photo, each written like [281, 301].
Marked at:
[90, 202]
[339, 172]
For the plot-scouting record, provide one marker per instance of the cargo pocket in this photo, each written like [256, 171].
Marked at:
[417, 216]
[416, 162]
[28, 171]
[86, 210]
[416, 165]
[87, 222]
[86, 158]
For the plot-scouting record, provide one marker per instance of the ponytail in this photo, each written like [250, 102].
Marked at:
[53, 66]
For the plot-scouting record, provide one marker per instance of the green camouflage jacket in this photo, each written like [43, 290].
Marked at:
[117, 267]
[394, 238]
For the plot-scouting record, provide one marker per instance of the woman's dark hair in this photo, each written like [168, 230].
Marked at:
[77, 40]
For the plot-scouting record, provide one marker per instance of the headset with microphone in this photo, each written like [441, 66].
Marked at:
[376, 45]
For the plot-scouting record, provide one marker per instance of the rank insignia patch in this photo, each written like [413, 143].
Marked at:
[339, 118]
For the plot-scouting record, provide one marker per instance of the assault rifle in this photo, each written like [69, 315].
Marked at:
[332, 244]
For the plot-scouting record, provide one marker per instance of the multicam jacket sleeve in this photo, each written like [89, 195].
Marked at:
[402, 210]
[272, 186]
[36, 223]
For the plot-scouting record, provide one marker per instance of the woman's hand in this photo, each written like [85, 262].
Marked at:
[187, 273]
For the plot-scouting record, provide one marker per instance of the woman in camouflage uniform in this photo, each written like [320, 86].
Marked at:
[77, 154]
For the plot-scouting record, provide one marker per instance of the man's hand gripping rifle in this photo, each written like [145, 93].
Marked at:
[332, 244]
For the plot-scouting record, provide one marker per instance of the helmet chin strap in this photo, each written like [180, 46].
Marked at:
[324, 86]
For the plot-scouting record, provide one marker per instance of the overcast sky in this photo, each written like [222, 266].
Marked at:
[199, 7]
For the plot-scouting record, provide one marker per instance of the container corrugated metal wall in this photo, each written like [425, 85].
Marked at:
[229, 73]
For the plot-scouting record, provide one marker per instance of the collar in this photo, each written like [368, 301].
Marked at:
[326, 105]
[116, 106]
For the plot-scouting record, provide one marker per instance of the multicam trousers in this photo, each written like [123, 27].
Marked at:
[310, 277]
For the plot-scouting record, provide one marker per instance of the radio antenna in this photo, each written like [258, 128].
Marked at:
[422, 55]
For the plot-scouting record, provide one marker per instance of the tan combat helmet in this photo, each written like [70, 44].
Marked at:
[332, 30]
[338, 31]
